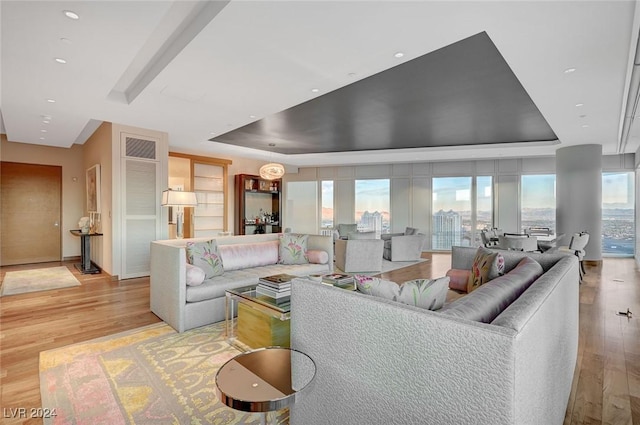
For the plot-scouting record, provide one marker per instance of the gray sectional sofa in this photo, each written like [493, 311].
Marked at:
[383, 362]
[245, 259]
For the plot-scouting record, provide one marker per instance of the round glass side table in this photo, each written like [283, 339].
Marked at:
[264, 380]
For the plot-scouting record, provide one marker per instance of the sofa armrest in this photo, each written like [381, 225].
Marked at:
[168, 286]
[407, 248]
[359, 255]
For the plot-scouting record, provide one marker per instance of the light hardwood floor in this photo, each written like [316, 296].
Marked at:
[606, 387]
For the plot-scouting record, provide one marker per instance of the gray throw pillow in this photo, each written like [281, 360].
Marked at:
[377, 287]
[425, 293]
[345, 229]
[206, 256]
[410, 231]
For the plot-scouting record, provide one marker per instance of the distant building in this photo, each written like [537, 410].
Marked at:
[371, 222]
[447, 229]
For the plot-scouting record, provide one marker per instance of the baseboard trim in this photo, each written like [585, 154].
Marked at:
[72, 258]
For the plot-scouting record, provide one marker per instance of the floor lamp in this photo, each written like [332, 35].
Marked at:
[179, 199]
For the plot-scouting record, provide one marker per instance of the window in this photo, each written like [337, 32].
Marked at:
[327, 205]
[538, 201]
[618, 224]
[373, 203]
[484, 206]
[456, 219]
[451, 221]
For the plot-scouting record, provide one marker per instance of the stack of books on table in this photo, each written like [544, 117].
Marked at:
[341, 280]
[277, 287]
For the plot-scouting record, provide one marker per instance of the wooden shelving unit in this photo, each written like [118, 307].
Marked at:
[257, 205]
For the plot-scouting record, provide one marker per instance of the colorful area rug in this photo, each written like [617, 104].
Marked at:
[151, 375]
[22, 281]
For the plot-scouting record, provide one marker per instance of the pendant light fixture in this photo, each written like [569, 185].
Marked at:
[273, 170]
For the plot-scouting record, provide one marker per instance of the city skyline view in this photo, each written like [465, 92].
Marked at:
[537, 206]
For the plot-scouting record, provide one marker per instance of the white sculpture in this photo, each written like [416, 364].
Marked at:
[84, 224]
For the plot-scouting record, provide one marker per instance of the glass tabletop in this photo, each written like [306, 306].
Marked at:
[249, 293]
[264, 380]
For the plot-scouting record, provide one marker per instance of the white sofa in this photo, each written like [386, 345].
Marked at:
[382, 362]
[185, 307]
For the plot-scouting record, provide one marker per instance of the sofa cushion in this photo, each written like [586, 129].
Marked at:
[458, 279]
[361, 235]
[487, 265]
[410, 231]
[345, 229]
[293, 248]
[247, 255]
[425, 293]
[317, 256]
[206, 256]
[195, 275]
[490, 299]
[377, 287]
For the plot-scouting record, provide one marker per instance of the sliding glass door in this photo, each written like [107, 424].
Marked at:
[462, 207]
[618, 214]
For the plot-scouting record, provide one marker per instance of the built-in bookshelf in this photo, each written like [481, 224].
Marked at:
[257, 205]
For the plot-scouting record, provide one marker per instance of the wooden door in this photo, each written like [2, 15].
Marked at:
[30, 221]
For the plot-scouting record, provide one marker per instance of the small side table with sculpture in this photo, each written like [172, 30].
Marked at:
[86, 266]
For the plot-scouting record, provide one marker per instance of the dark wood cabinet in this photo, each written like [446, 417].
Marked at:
[257, 205]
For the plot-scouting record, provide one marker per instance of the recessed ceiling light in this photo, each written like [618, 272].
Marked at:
[51, 100]
[60, 60]
[579, 104]
[252, 116]
[569, 70]
[398, 55]
[351, 74]
[585, 125]
[42, 138]
[43, 131]
[65, 40]
[71, 14]
[314, 90]
[46, 121]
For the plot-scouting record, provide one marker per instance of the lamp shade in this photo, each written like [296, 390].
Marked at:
[178, 198]
[272, 171]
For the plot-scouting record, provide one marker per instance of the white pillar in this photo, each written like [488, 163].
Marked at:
[579, 195]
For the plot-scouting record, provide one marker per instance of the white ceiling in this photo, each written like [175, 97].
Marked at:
[201, 69]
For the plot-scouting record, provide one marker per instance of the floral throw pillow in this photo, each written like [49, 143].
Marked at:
[205, 255]
[293, 249]
[377, 287]
[425, 293]
[487, 265]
